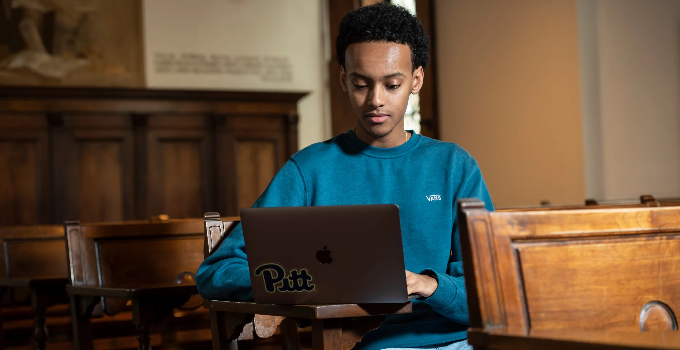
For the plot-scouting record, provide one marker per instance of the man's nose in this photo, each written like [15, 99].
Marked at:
[377, 97]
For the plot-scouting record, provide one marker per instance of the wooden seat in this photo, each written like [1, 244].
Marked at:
[34, 257]
[149, 265]
[333, 326]
[545, 278]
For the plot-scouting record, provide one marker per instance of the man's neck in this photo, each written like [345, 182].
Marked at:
[394, 139]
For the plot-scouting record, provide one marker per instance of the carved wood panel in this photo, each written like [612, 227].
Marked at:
[118, 154]
[258, 157]
[18, 175]
[95, 158]
[24, 170]
[101, 173]
[613, 269]
[249, 152]
[179, 171]
[600, 287]
[256, 164]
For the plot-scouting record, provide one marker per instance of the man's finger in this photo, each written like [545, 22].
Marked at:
[409, 282]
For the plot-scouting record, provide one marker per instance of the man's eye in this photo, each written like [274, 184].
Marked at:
[393, 87]
[360, 86]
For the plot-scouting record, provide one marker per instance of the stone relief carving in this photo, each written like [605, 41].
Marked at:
[70, 42]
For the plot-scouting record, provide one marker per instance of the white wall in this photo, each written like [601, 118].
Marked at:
[630, 58]
[287, 30]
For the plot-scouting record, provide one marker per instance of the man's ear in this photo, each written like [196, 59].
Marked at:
[418, 77]
[343, 79]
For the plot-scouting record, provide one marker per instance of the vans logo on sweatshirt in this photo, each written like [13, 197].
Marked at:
[434, 197]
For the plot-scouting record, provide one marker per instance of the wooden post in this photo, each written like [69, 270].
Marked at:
[326, 334]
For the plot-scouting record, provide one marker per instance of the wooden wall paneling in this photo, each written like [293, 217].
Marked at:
[94, 168]
[101, 174]
[179, 163]
[342, 114]
[259, 150]
[22, 98]
[24, 170]
[225, 187]
[64, 173]
[83, 131]
[19, 180]
[256, 164]
[268, 127]
[429, 113]
[291, 132]
[140, 124]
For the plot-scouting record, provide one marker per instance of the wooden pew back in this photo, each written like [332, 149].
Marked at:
[32, 252]
[38, 251]
[587, 269]
[124, 255]
[216, 230]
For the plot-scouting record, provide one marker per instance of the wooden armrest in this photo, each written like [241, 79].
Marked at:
[134, 292]
[311, 311]
[511, 339]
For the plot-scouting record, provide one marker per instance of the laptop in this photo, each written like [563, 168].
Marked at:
[325, 254]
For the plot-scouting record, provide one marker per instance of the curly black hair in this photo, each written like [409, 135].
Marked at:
[387, 23]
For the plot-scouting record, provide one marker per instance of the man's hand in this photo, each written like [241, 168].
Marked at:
[420, 284]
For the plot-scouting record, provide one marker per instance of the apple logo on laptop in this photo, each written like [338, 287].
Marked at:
[324, 256]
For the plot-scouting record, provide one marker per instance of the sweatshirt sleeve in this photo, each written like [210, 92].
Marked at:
[450, 297]
[224, 275]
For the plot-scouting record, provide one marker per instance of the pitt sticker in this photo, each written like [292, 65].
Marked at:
[275, 279]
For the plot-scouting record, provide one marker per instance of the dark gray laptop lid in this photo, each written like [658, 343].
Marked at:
[325, 254]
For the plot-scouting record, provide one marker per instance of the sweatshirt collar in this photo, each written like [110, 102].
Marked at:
[379, 152]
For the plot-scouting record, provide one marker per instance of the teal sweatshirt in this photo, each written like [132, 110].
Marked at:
[424, 177]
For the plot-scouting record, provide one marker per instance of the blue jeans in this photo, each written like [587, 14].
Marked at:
[459, 345]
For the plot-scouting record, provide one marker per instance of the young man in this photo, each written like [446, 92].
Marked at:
[383, 51]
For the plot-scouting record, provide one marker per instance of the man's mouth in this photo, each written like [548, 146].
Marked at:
[377, 118]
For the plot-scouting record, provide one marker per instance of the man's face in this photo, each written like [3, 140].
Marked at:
[379, 78]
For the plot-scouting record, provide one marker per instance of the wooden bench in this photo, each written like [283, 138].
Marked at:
[34, 258]
[572, 279]
[333, 326]
[151, 266]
